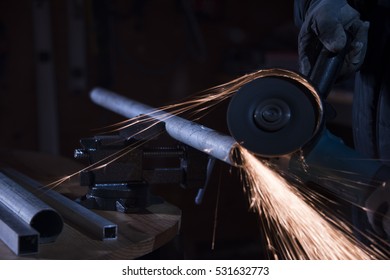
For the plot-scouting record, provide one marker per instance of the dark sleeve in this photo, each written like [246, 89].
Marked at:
[300, 8]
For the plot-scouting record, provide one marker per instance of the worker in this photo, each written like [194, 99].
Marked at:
[368, 22]
[368, 58]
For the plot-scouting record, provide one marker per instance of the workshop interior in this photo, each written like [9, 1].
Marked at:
[81, 81]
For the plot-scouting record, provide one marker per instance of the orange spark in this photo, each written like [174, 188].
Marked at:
[310, 236]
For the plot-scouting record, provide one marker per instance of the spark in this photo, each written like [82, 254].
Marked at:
[303, 232]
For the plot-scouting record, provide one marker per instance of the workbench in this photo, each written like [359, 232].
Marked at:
[138, 233]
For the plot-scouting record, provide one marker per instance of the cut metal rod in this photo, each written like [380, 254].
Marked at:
[30, 209]
[19, 236]
[204, 139]
[76, 214]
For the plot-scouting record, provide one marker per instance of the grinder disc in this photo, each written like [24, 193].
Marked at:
[274, 115]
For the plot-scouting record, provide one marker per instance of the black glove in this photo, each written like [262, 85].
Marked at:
[329, 20]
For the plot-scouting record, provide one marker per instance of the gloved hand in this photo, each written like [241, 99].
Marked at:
[328, 20]
[377, 207]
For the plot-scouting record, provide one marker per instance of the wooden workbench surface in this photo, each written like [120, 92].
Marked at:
[138, 234]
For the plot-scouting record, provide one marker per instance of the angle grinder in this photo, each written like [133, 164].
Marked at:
[281, 111]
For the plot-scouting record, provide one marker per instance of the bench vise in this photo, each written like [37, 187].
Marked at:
[124, 167]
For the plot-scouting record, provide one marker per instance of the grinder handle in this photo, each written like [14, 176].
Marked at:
[327, 67]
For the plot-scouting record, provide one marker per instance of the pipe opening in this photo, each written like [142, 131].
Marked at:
[28, 244]
[110, 232]
[48, 223]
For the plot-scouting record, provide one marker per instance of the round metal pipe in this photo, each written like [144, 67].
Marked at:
[30, 209]
[73, 212]
[204, 139]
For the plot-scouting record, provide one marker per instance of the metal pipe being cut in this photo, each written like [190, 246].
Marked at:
[204, 139]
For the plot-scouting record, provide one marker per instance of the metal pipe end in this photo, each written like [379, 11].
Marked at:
[49, 224]
[110, 232]
[27, 244]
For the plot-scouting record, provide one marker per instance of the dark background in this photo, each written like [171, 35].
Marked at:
[146, 49]
[156, 52]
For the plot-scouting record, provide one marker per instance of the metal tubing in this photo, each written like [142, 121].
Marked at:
[73, 212]
[30, 209]
[20, 237]
[195, 135]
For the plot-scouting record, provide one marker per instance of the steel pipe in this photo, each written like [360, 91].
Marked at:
[30, 209]
[20, 237]
[77, 215]
[204, 139]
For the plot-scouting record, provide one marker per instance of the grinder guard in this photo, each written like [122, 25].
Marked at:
[275, 114]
